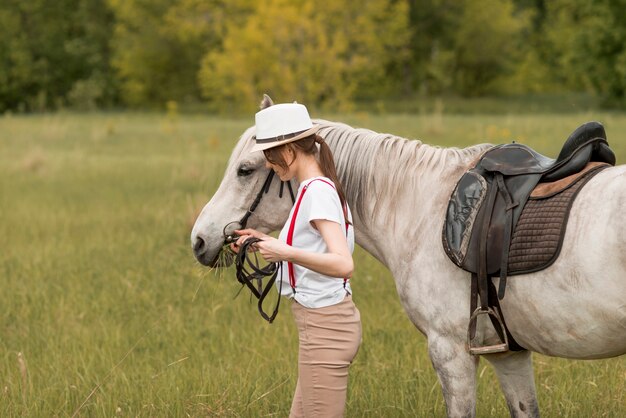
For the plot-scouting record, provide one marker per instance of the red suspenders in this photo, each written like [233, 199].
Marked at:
[292, 277]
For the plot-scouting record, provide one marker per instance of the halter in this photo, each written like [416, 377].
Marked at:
[247, 269]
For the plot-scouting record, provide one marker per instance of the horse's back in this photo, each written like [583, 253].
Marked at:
[577, 307]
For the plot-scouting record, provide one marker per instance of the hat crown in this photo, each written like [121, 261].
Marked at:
[282, 119]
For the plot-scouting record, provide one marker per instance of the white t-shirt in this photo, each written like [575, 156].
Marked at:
[321, 201]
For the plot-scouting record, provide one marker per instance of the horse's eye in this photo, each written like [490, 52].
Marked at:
[244, 171]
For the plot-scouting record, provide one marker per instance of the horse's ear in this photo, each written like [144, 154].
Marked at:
[266, 102]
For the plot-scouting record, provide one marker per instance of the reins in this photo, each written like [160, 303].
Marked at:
[248, 270]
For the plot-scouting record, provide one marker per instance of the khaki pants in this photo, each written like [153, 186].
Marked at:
[329, 340]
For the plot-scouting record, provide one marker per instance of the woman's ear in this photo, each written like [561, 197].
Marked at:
[289, 155]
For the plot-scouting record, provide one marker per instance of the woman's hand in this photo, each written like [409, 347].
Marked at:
[273, 250]
[245, 234]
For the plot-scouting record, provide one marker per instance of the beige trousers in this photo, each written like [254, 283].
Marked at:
[329, 340]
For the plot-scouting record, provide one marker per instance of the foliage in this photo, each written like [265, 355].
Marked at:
[53, 52]
[145, 53]
[589, 39]
[486, 44]
[324, 53]
[432, 40]
[152, 66]
[159, 45]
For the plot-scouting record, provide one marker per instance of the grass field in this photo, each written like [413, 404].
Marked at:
[104, 311]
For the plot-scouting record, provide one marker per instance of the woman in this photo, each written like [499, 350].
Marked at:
[315, 246]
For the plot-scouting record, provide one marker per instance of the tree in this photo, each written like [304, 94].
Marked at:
[319, 53]
[159, 45]
[433, 24]
[48, 49]
[487, 44]
[588, 40]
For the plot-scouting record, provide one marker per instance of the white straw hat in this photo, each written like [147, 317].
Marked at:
[280, 124]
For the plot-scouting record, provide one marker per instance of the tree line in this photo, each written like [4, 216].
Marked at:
[226, 53]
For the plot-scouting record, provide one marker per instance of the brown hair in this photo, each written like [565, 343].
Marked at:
[308, 147]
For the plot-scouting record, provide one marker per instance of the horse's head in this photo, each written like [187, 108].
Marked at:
[244, 178]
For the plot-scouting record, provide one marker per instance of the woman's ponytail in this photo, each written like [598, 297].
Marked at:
[327, 164]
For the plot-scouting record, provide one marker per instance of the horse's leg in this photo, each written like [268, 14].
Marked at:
[456, 370]
[515, 373]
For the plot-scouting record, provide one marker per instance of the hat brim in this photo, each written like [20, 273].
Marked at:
[272, 144]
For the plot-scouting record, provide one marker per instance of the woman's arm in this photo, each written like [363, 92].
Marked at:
[337, 262]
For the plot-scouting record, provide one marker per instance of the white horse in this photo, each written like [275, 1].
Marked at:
[399, 190]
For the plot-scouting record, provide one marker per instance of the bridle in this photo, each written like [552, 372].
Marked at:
[247, 269]
[230, 238]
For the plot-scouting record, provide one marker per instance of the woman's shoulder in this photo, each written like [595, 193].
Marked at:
[321, 183]
[322, 188]
[323, 193]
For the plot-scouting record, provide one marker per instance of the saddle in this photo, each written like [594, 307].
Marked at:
[486, 206]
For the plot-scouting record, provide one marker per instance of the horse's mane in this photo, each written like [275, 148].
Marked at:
[363, 159]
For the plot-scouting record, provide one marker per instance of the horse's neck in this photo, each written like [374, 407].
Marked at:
[401, 203]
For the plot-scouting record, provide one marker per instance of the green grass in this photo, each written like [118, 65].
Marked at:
[100, 292]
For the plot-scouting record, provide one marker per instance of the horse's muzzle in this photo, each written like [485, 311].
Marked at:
[209, 258]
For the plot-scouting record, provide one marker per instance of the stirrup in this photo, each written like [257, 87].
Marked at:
[487, 349]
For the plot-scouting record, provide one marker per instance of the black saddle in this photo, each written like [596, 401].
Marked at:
[585, 144]
[488, 201]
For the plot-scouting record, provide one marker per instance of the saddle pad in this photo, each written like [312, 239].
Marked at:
[539, 233]
[544, 190]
